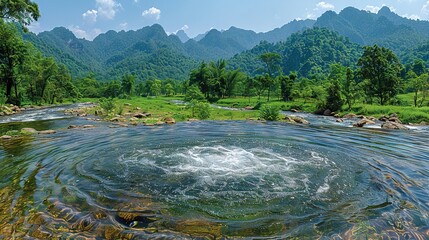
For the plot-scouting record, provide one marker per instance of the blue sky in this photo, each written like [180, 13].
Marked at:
[88, 18]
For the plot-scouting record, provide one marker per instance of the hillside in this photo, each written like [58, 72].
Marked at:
[384, 28]
[150, 53]
[309, 52]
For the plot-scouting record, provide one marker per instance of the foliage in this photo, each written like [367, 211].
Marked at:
[381, 68]
[201, 110]
[107, 104]
[334, 102]
[269, 112]
[194, 93]
[23, 11]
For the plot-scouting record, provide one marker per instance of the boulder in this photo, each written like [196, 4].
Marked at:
[169, 120]
[15, 109]
[327, 112]
[139, 115]
[294, 110]
[363, 122]
[137, 108]
[350, 115]
[47, 132]
[88, 126]
[393, 125]
[5, 137]
[339, 120]
[295, 119]
[127, 104]
[159, 123]
[142, 115]
[72, 127]
[28, 131]
[395, 119]
[248, 108]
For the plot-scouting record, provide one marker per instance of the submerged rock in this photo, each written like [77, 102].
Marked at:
[394, 125]
[47, 132]
[28, 131]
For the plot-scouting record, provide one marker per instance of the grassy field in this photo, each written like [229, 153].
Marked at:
[161, 107]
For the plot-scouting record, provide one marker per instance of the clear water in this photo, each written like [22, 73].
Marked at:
[215, 179]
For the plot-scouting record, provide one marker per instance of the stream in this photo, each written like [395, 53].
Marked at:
[212, 179]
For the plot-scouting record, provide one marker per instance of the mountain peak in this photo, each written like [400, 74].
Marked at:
[384, 11]
[181, 34]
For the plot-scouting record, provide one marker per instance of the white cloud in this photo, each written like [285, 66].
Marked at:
[123, 26]
[425, 9]
[107, 8]
[81, 33]
[373, 9]
[412, 16]
[152, 12]
[185, 27]
[35, 27]
[325, 5]
[90, 16]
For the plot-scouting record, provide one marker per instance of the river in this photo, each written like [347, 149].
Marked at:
[212, 179]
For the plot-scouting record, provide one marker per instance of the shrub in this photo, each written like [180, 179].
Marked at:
[269, 113]
[194, 93]
[107, 104]
[200, 110]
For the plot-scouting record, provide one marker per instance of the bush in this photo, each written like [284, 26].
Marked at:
[200, 110]
[107, 104]
[269, 113]
[194, 93]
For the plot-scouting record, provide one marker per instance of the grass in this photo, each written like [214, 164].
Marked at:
[161, 107]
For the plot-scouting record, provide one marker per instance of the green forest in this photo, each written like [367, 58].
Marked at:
[314, 65]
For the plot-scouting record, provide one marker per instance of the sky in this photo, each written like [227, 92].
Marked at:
[88, 18]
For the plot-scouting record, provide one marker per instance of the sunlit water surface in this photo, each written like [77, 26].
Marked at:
[212, 180]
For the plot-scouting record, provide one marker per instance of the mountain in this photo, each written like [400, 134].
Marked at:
[309, 52]
[182, 36]
[150, 53]
[226, 44]
[384, 28]
[147, 53]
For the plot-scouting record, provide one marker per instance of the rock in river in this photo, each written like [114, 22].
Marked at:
[169, 120]
[363, 122]
[28, 131]
[47, 132]
[393, 125]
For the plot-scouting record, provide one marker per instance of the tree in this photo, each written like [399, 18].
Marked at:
[349, 89]
[419, 67]
[127, 84]
[217, 73]
[420, 85]
[155, 87]
[334, 102]
[272, 67]
[200, 77]
[382, 68]
[13, 52]
[169, 89]
[21, 11]
[286, 85]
